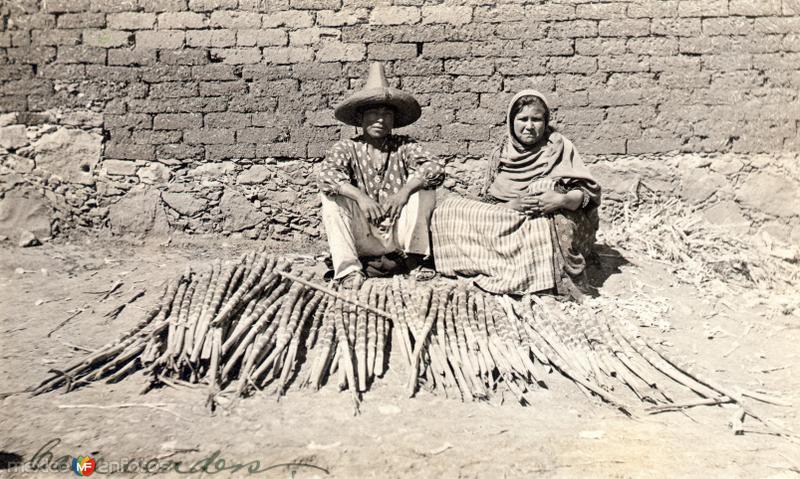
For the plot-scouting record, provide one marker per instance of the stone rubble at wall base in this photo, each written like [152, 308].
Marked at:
[278, 199]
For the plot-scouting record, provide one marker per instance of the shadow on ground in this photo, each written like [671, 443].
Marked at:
[604, 263]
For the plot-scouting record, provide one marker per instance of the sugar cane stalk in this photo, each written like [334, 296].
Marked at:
[213, 368]
[380, 333]
[335, 294]
[208, 311]
[421, 340]
[262, 321]
[372, 340]
[245, 324]
[347, 356]
[264, 263]
[289, 365]
[326, 344]
[361, 339]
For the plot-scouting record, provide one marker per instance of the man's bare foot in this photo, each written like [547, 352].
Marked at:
[352, 281]
[422, 273]
[420, 267]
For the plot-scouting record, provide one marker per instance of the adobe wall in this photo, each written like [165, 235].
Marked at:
[206, 116]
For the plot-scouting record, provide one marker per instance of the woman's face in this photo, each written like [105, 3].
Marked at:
[529, 124]
[378, 121]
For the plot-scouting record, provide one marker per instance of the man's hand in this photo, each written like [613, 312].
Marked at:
[371, 209]
[394, 204]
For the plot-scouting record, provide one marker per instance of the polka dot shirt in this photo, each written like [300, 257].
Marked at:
[381, 176]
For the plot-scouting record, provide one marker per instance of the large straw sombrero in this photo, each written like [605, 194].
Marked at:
[376, 92]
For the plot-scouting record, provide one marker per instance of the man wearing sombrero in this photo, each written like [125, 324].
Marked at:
[377, 188]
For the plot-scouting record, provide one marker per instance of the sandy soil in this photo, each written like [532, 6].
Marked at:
[562, 434]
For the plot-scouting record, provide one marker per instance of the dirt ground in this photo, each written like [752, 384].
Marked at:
[563, 433]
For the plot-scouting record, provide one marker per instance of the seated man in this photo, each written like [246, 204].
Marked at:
[377, 195]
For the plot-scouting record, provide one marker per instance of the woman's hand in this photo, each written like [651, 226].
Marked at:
[521, 204]
[547, 202]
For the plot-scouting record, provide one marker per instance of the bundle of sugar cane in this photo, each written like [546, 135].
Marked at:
[711, 391]
[442, 361]
[347, 339]
[275, 352]
[258, 323]
[614, 353]
[632, 360]
[557, 346]
[467, 348]
[237, 320]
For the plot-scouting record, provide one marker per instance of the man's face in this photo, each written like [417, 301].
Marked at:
[378, 121]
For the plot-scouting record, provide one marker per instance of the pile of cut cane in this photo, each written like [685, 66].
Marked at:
[241, 325]
[263, 323]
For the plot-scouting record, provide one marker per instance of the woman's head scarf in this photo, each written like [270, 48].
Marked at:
[518, 165]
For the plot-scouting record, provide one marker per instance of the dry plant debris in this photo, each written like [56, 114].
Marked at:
[700, 253]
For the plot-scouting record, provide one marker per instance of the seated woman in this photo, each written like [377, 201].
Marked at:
[537, 220]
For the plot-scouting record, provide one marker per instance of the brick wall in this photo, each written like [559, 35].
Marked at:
[188, 89]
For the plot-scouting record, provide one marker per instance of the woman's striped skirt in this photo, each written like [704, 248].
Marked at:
[505, 250]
